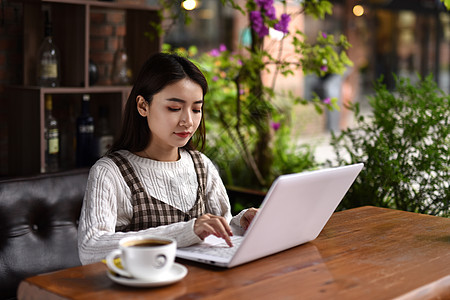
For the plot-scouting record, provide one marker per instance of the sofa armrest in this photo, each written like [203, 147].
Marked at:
[38, 225]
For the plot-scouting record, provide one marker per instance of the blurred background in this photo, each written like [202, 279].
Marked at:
[403, 37]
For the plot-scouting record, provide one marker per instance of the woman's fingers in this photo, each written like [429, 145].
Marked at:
[225, 225]
[216, 225]
[210, 224]
[247, 218]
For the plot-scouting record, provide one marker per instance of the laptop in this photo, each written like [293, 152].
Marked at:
[294, 211]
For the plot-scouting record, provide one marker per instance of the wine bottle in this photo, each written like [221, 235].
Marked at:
[104, 138]
[51, 133]
[67, 138]
[48, 60]
[85, 156]
[121, 73]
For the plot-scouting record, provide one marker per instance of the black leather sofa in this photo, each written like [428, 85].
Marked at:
[39, 219]
[38, 226]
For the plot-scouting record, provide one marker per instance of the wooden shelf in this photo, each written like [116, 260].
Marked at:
[138, 5]
[76, 90]
[71, 31]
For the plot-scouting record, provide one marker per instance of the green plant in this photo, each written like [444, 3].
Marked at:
[404, 145]
[249, 120]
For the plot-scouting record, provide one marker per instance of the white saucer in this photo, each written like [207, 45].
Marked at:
[176, 273]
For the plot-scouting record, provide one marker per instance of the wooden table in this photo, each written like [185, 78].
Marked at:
[363, 253]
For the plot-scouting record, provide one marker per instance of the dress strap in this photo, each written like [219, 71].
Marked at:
[150, 212]
[199, 207]
[127, 172]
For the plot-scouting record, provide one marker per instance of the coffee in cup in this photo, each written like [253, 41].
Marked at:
[146, 257]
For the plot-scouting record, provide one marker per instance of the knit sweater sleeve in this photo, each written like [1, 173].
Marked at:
[218, 202]
[107, 204]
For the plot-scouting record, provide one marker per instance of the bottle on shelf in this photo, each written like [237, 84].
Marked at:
[51, 133]
[121, 73]
[104, 137]
[85, 148]
[93, 72]
[48, 60]
[67, 138]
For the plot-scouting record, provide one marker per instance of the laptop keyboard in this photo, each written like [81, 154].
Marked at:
[219, 250]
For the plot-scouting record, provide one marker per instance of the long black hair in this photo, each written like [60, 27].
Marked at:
[159, 71]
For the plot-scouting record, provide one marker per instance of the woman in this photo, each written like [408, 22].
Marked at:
[153, 181]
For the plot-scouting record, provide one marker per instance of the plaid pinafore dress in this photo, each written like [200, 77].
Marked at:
[150, 212]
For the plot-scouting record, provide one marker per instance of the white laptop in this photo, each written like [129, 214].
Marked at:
[294, 211]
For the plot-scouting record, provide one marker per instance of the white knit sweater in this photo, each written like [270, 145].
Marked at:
[107, 201]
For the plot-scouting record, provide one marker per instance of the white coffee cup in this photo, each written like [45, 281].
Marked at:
[145, 257]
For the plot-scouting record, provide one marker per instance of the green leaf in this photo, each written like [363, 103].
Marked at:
[404, 145]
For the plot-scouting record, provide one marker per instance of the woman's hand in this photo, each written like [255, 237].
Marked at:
[247, 218]
[210, 224]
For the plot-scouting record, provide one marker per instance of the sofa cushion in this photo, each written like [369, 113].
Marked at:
[38, 225]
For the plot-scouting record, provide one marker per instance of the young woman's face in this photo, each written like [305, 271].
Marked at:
[174, 114]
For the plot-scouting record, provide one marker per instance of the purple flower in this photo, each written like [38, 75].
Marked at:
[275, 125]
[256, 17]
[324, 68]
[214, 52]
[327, 100]
[324, 35]
[264, 3]
[215, 78]
[267, 8]
[271, 13]
[258, 24]
[222, 48]
[283, 24]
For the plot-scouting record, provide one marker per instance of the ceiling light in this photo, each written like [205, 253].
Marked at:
[189, 4]
[358, 10]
